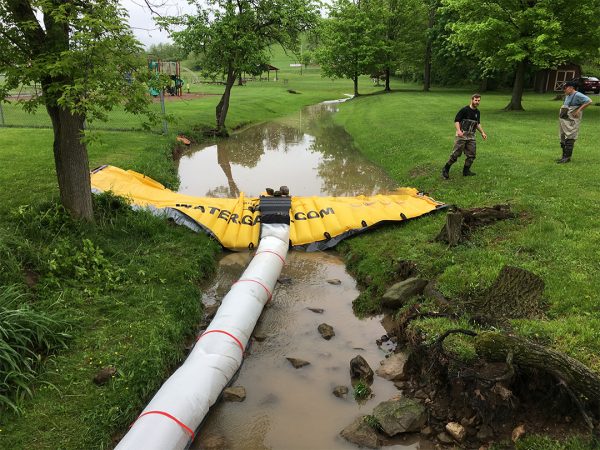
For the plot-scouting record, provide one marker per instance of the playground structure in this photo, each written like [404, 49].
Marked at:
[170, 68]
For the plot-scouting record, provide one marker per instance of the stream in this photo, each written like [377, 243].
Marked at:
[287, 408]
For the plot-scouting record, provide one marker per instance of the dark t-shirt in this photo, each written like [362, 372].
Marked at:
[468, 118]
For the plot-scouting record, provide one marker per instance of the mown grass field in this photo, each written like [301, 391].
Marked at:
[556, 235]
[135, 298]
[124, 292]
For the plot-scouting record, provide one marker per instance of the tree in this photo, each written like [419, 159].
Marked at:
[517, 35]
[83, 57]
[232, 37]
[352, 40]
[166, 52]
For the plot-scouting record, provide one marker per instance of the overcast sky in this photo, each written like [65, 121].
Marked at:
[140, 19]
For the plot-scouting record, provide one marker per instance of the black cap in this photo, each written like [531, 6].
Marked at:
[570, 83]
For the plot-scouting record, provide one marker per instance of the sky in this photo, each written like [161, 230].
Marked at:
[142, 23]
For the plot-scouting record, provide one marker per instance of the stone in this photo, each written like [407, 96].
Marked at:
[398, 294]
[445, 438]
[297, 363]
[456, 430]
[260, 335]
[104, 375]
[340, 391]
[284, 280]
[360, 433]
[518, 433]
[334, 281]
[427, 431]
[403, 415]
[360, 369]
[316, 310]
[326, 331]
[234, 394]
[392, 368]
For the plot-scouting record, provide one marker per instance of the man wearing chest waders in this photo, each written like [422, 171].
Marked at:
[466, 122]
[570, 118]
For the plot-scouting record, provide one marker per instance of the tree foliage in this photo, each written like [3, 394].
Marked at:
[83, 60]
[232, 37]
[507, 34]
[352, 40]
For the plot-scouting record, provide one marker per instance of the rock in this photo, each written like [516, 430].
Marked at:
[360, 433]
[403, 415]
[260, 335]
[234, 394]
[316, 310]
[340, 391]
[297, 363]
[444, 438]
[421, 394]
[518, 433]
[430, 291]
[334, 281]
[402, 384]
[427, 431]
[456, 430]
[284, 280]
[104, 375]
[326, 331]
[398, 294]
[360, 369]
[181, 138]
[392, 368]
[485, 433]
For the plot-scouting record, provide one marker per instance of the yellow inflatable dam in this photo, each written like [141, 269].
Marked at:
[316, 223]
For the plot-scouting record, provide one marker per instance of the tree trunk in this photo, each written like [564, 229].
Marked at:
[387, 80]
[483, 85]
[518, 86]
[496, 347]
[355, 80]
[71, 161]
[428, 50]
[223, 106]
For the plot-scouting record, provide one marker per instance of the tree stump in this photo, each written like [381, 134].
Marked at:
[460, 223]
[516, 293]
[495, 347]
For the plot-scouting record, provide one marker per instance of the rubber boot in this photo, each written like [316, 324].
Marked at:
[568, 152]
[562, 145]
[446, 171]
[467, 172]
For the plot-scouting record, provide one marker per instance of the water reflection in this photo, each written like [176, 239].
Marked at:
[307, 152]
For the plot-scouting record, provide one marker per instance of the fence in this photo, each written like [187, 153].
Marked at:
[12, 115]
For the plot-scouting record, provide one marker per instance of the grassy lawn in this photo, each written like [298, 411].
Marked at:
[556, 235]
[124, 292]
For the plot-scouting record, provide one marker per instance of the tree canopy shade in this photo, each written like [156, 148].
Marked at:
[83, 59]
[232, 37]
[517, 34]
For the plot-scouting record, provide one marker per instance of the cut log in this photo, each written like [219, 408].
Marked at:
[460, 223]
[495, 347]
[516, 293]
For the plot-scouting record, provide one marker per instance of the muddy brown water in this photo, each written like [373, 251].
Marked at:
[289, 408]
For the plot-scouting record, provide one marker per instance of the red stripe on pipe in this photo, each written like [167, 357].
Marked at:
[258, 282]
[173, 418]
[224, 332]
[275, 253]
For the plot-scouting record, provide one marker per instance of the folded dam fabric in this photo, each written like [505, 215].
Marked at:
[316, 223]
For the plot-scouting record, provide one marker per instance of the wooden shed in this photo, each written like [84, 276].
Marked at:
[551, 80]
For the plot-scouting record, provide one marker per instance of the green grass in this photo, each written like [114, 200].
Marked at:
[556, 235]
[126, 287]
[129, 284]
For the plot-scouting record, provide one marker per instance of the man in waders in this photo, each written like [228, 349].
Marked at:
[466, 122]
[570, 119]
